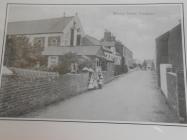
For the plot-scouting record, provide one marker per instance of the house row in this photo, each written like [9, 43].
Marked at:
[125, 58]
[59, 36]
[170, 69]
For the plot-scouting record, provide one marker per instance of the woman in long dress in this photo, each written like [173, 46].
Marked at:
[92, 84]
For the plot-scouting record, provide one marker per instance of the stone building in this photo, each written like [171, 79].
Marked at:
[123, 55]
[169, 56]
[161, 52]
[175, 50]
[53, 32]
[55, 54]
[108, 43]
[169, 50]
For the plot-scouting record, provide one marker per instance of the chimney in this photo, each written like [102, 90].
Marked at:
[107, 35]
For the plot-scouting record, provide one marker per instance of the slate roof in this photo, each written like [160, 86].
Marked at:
[88, 40]
[52, 25]
[79, 50]
[164, 36]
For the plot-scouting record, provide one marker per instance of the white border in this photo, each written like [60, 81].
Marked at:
[4, 3]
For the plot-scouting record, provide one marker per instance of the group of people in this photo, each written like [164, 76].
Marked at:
[95, 79]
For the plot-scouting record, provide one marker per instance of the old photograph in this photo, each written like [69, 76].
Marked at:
[94, 62]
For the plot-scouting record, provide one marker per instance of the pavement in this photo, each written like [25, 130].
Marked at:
[131, 97]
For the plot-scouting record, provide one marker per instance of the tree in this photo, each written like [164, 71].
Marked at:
[20, 53]
[16, 51]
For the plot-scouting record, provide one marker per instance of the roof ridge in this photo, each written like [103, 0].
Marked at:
[41, 19]
[49, 25]
[64, 50]
[76, 46]
[91, 36]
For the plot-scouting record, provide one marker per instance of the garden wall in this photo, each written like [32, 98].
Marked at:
[109, 74]
[33, 73]
[19, 95]
[181, 95]
[176, 93]
[172, 98]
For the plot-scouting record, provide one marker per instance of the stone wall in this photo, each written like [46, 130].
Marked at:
[181, 95]
[176, 94]
[172, 98]
[108, 77]
[109, 74]
[19, 95]
[32, 74]
[169, 50]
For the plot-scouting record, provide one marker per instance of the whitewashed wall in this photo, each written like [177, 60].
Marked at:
[163, 78]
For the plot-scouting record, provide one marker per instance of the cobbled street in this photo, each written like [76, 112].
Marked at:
[131, 97]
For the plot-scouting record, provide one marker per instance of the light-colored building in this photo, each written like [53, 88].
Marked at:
[108, 43]
[95, 53]
[53, 32]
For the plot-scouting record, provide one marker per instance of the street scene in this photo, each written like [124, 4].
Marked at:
[94, 62]
[116, 102]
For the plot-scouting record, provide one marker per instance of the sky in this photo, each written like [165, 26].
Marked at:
[136, 26]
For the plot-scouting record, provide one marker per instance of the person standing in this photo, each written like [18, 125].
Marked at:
[100, 80]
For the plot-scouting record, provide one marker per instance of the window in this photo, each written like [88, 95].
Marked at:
[53, 60]
[39, 41]
[72, 37]
[54, 41]
[78, 40]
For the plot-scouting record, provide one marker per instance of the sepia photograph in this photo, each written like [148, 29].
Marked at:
[94, 62]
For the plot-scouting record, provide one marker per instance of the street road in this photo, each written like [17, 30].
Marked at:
[131, 97]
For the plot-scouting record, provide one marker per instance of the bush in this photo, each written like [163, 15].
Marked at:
[66, 61]
[20, 53]
[61, 69]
